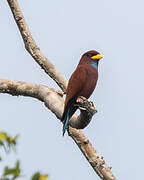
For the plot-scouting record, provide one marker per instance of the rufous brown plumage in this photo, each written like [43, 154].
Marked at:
[81, 83]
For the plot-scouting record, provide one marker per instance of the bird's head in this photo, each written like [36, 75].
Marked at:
[91, 57]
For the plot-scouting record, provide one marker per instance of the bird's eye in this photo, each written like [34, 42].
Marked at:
[89, 55]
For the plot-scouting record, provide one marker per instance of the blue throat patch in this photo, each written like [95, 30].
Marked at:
[94, 64]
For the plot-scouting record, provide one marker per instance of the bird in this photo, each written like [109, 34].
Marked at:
[81, 83]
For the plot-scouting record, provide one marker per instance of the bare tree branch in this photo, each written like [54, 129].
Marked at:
[54, 101]
[33, 49]
[52, 98]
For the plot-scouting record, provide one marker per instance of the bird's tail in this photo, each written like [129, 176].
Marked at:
[66, 115]
[65, 126]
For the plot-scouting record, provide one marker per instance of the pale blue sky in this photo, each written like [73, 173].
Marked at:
[64, 30]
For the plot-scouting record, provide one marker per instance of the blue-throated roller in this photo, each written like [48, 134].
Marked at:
[81, 83]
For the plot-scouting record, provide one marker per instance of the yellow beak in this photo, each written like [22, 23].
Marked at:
[98, 57]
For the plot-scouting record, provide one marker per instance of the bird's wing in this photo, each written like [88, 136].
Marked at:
[76, 83]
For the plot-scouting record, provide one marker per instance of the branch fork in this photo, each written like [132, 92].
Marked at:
[87, 110]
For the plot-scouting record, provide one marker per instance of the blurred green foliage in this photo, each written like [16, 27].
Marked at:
[13, 172]
[9, 143]
[38, 176]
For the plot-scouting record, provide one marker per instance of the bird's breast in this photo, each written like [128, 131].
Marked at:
[91, 81]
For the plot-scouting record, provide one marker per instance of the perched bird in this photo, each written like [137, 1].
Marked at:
[82, 83]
